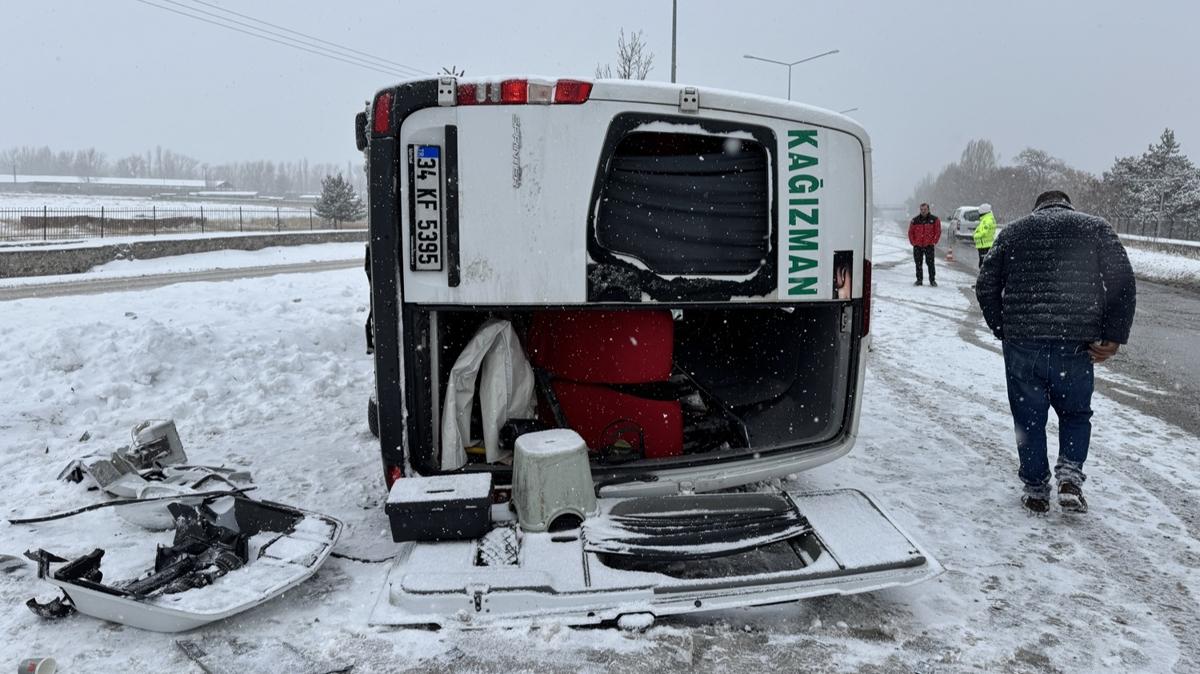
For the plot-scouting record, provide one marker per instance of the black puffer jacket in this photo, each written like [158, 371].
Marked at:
[1057, 274]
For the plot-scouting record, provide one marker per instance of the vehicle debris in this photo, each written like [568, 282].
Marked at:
[229, 554]
[154, 465]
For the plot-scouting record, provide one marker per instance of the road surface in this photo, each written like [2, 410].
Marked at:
[1162, 349]
[93, 285]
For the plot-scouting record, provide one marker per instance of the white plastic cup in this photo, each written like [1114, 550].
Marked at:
[37, 666]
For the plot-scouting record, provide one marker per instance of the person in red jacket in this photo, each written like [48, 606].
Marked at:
[924, 231]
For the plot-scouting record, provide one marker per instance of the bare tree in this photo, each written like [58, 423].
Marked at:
[634, 59]
[88, 163]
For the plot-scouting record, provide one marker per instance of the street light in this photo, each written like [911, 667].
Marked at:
[789, 65]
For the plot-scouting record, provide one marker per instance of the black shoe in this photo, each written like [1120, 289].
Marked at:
[1038, 506]
[933, 283]
[1070, 498]
[918, 282]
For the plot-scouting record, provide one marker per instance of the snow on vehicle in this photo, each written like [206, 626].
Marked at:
[678, 278]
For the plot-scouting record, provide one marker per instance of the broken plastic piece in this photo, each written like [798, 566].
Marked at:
[202, 552]
[199, 579]
[59, 607]
[155, 444]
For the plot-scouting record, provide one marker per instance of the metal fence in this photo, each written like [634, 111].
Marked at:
[45, 223]
[1181, 230]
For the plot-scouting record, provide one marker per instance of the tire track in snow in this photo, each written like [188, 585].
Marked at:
[1151, 588]
[1181, 503]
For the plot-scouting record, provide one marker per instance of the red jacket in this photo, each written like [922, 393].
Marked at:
[925, 230]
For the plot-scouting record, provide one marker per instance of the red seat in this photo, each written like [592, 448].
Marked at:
[581, 350]
[596, 412]
[603, 347]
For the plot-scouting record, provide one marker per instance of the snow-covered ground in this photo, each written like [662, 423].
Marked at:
[217, 259]
[1163, 267]
[25, 200]
[269, 374]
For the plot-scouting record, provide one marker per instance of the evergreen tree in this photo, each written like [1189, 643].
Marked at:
[338, 202]
[1161, 184]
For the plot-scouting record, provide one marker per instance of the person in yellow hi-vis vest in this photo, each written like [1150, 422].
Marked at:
[985, 231]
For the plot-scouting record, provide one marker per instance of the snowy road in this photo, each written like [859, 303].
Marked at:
[268, 373]
[1158, 371]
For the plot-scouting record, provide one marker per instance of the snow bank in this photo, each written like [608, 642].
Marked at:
[1165, 267]
[219, 259]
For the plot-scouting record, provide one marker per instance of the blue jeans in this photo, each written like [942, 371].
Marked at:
[1041, 375]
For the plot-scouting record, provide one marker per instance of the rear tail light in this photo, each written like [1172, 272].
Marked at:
[382, 118]
[466, 94]
[524, 92]
[391, 474]
[866, 294]
[514, 91]
[572, 91]
[541, 92]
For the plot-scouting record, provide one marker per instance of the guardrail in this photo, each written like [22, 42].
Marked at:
[45, 223]
[1183, 230]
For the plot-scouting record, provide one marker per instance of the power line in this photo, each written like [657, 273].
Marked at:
[288, 41]
[306, 48]
[310, 37]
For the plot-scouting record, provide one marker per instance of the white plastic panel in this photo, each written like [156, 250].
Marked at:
[556, 581]
[526, 176]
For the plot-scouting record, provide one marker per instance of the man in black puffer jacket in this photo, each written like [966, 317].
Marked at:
[1058, 289]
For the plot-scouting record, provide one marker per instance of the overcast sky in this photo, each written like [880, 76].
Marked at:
[1086, 80]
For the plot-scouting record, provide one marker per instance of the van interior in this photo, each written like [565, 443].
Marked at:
[660, 386]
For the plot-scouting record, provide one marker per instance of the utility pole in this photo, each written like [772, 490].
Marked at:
[674, 21]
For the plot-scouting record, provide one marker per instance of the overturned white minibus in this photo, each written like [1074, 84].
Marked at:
[653, 290]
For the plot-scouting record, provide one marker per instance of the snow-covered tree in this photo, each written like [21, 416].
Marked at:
[1162, 183]
[339, 203]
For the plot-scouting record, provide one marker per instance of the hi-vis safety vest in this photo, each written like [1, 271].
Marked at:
[985, 231]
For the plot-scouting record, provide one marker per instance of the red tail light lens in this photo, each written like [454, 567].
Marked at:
[466, 94]
[572, 91]
[514, 91]
[391, 474]
[866, 292]
[382, 119]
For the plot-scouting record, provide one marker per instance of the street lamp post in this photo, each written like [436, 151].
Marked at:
[674, 17]
[790, 65]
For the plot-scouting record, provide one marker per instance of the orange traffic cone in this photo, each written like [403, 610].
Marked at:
[949, 255]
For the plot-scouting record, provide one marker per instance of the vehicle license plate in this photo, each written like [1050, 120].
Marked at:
[425, 207]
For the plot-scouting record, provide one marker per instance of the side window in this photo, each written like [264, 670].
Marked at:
[971, 216]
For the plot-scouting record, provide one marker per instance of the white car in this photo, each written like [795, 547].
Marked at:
[964, 221]
[681, 276]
